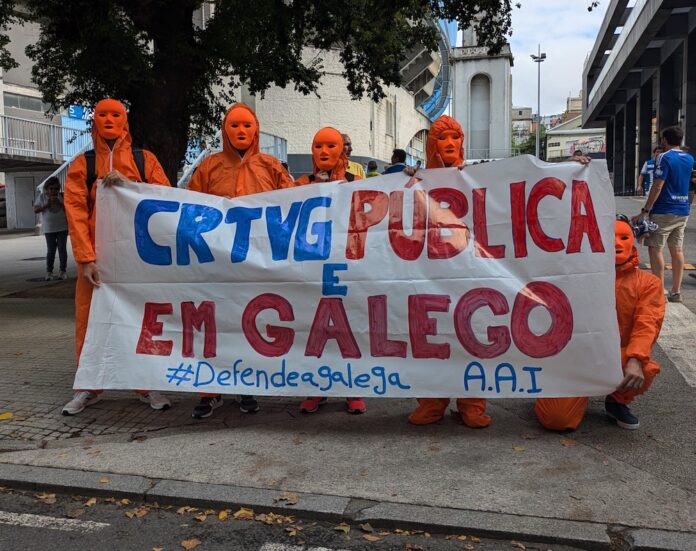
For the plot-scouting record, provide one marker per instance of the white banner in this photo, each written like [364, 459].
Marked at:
[496, 281]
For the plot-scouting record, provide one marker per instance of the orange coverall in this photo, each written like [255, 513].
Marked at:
[228, 174]
[640, 309]
[82, 216]
[431, 410]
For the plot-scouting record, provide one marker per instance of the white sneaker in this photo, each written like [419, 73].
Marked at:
[49, 276]
[80, 401]
[157, 400]
[62, 276]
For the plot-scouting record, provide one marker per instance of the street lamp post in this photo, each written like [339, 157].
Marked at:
[538, 59]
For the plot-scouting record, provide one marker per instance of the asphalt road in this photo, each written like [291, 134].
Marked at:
[31, 521]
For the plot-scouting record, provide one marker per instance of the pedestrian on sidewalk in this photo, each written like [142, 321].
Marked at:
[647, 173]
[239, 169]
[112, 161]
[330, 164]
[640, 309]
[54, 225]
[668, 206]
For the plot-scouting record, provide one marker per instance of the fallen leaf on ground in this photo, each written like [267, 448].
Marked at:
[244, 514]
[157, 548]
[568, 442]
[223, 515]
[343, 527]
[185, 509]
[475, 539]
[6, 415]
[370, 537]
[366, 527]
[140, 513]
[287, 497]
[190, 544]
[201, 517]
[413, 547]
[291, 530]
[469, 547]
[75, 513]
[91, 502]
[518, 545]
[125, 502]
[129, 514]
[104, 480]
[46, 498]
[518, 448]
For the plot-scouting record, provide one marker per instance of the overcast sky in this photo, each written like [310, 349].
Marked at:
[566, 31]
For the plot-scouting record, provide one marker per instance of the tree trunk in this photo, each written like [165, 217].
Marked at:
[160, 112]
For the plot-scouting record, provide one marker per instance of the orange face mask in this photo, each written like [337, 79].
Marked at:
[449, 144]
[327, 147]
[624, 241]
[241, 128]
[110, 118]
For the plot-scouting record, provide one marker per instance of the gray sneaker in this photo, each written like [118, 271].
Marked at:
[80, 401]
[674, 296]
[157, 400]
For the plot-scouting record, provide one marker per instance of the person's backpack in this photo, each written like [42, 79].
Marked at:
[91, 158]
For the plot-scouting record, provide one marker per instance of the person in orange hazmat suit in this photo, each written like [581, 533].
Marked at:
[640, 309]
[239, 169]
[112, 161]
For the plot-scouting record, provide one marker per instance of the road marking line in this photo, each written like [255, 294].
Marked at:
[677, 340]
[28, 520]
[285, 547]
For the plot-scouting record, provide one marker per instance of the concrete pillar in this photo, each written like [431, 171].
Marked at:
[609, 141]
[619, 186]
[689, 90]
[645, 113]
[667, 95]
[630, 145]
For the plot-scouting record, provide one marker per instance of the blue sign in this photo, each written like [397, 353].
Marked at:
[78, 112]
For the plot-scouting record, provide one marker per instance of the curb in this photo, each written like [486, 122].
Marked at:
[585, 535]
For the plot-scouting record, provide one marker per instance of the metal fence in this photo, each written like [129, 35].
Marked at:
[29, 138]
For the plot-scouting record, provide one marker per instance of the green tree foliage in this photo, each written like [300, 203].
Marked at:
[179, 76]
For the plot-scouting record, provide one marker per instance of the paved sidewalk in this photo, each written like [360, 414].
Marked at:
[513, 475]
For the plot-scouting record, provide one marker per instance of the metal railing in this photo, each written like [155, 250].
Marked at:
[62, 171]
[29, 138]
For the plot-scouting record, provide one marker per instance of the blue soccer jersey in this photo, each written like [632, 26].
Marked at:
[674, 167]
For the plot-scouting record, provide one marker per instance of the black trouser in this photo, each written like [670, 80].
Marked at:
[57, 240]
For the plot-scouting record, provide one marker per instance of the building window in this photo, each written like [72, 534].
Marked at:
[479, 117]
[390, 117]
[554, 144]
[25, 102]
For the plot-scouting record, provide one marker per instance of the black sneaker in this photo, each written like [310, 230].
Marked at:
[621, 414]
[248, 404]
[206, 407]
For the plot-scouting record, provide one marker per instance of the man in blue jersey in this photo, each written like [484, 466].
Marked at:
[647, 173]
[668, 206]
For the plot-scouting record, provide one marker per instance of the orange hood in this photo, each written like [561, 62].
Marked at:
[338, 172]
[443, 123]
[228, 149]
[122, 142]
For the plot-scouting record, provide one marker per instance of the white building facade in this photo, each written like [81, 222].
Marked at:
[482, 98]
